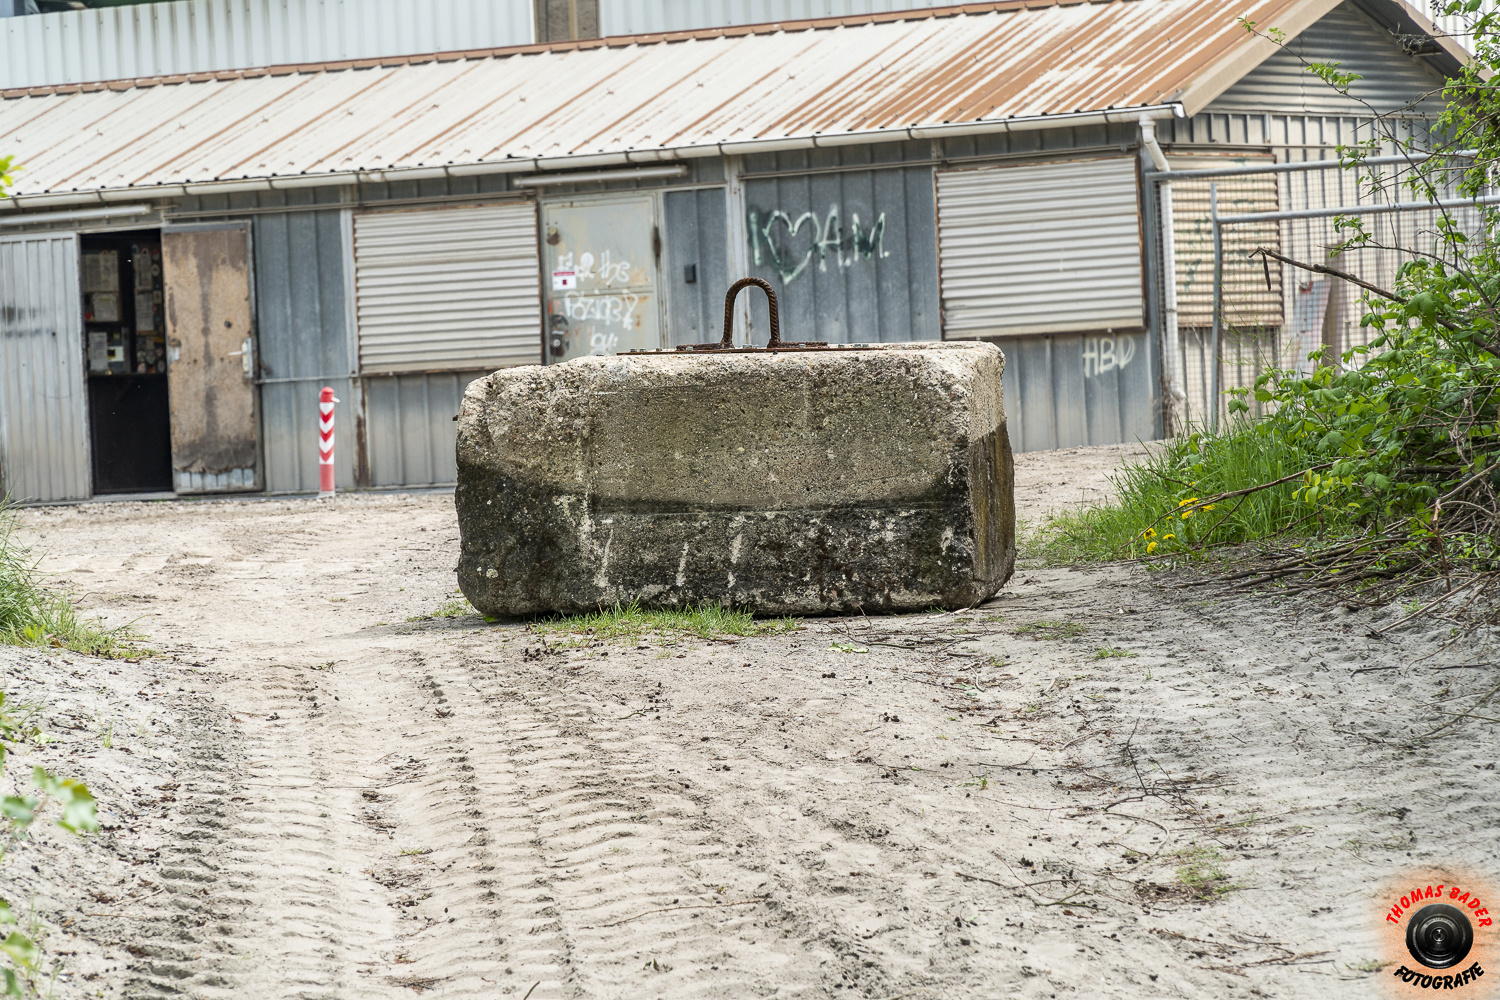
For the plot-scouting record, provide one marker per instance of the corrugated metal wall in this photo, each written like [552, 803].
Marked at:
[852, 253]
[412, 433]
[44, 448]
[302, 324]
[1064, 391]
[195, 35]
[696, 233]
[1389, 79]
[629, 17]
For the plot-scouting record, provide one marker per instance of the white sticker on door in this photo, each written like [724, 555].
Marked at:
[563, 281]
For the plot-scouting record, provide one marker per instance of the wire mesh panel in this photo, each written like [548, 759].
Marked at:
[1273, 314]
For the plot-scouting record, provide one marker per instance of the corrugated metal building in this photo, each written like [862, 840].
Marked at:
[408, 223]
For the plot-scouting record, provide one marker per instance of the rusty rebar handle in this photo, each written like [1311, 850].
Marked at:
[727, 341]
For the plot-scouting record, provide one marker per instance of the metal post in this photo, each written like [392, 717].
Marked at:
[1213, 340]
[325, 441]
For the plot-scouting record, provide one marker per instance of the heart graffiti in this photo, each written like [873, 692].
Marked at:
[773, 236]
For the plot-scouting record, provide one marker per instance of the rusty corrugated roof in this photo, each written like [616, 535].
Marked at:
[658, 94]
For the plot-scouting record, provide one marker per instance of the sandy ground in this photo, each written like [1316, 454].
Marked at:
[308, 794]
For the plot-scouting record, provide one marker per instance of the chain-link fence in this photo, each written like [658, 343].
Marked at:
[1270, 313]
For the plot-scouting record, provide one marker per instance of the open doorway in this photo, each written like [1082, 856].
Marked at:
[125, 358]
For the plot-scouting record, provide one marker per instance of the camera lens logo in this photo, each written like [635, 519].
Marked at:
[1439, 936]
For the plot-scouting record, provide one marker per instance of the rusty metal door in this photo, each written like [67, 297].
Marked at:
[600, 274]
[211, 358]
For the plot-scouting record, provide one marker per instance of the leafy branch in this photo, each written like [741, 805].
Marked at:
[20, 955]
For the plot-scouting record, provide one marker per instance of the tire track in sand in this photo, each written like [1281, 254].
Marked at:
[591, 843]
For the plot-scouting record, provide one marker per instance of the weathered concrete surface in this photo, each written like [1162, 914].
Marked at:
[801, 483]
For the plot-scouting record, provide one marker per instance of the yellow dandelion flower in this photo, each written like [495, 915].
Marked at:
[1168, 537]
[1150, 548]
[1186, 514]
[1209, 506]
[1149, 533]
[1184, 503]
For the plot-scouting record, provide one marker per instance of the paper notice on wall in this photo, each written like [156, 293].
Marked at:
[101, 271]
[140, 262]
[106, 307]
[98, 351]
[145, 312]
[563, 281]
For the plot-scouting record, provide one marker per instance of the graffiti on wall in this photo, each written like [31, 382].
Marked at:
[1106, 354]
[789, 245]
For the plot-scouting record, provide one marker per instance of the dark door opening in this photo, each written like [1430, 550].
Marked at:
[125, 357]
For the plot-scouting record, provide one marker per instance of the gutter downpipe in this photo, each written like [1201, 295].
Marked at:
[1171, 342]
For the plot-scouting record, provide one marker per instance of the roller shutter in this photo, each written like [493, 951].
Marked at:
[1040, 248]
[1250, 300]
[447, 289]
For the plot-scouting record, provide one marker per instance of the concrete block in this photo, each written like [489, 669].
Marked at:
[790, 483]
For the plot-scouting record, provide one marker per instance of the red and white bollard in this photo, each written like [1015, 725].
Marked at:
[325, 442]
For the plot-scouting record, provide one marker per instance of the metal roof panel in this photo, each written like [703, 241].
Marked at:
[980, 63]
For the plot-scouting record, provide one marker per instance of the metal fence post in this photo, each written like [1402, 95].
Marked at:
[1213, 340]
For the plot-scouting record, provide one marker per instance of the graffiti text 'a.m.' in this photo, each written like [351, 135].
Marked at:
[774, 236]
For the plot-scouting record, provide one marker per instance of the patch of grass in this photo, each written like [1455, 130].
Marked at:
[409, 851]
[458, 607]
[1148, 513]
[1108, 652]
[1370, 965]
[1043, 629]
[848, 647]
[32, 615]
[1199, 870]
[625, 623]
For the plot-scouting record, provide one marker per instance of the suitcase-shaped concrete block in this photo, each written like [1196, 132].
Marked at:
[874, 479]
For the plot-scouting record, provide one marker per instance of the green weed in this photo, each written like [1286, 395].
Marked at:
[1107, 652]
[31, 615]
[458, 607]
[627, 623]
[1052, 629]
[1199, 870]
[1153, 510]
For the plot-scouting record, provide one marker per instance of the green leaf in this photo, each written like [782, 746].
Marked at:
[22, 950]
[7, 915]
[78, 811]
[19, 809]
